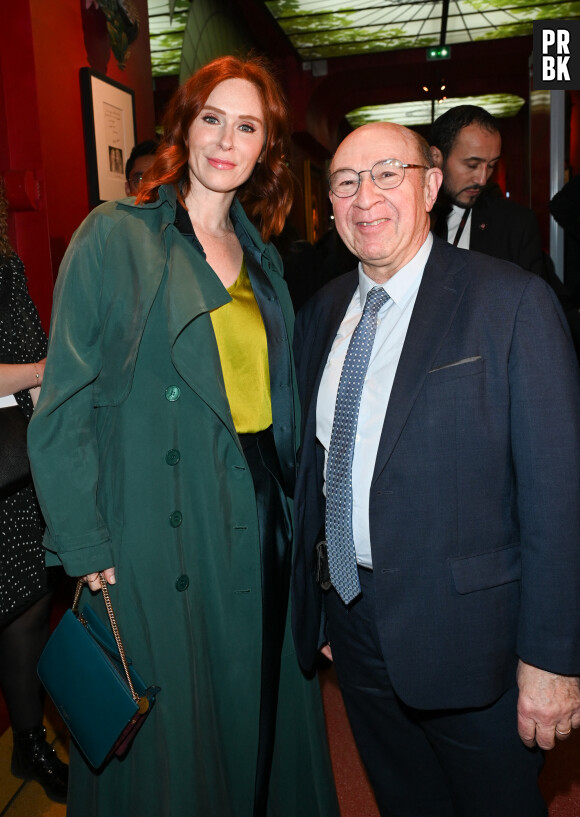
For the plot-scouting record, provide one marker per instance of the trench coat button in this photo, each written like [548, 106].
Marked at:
[172, 393]
[173, 456]
[175, 519]
[182, 583]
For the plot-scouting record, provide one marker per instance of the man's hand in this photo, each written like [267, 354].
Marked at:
[326, 652]
[548, 706]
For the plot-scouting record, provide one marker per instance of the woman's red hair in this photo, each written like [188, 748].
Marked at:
[268, 193]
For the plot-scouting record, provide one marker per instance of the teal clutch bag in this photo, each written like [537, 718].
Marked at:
[98, 692]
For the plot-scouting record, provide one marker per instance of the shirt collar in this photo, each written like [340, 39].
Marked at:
[457, 213]
[403, 285]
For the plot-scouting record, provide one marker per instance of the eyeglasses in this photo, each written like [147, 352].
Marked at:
[386, 174]
[135, 179]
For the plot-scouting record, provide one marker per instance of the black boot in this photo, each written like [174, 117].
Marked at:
[34, 759]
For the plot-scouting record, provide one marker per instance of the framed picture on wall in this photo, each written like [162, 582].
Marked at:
[109, 127]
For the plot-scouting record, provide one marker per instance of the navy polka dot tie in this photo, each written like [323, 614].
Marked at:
[339, 538]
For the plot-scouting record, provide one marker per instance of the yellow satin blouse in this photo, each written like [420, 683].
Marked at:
[243, 350]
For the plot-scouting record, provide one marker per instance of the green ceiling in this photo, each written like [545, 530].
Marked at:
[166, 35]
[320, 29]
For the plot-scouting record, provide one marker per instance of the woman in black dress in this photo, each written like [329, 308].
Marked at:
[24, 587]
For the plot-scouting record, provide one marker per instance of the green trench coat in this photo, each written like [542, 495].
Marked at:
[137, 464]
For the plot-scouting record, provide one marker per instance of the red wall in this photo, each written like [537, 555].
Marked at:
[42, 48]
[20, 150]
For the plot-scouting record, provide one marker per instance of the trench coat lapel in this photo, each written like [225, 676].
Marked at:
[193, 290]
[444, 281]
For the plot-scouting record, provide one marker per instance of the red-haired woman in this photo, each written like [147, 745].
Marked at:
[167, 412]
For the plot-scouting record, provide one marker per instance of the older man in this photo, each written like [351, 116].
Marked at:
[437, 520]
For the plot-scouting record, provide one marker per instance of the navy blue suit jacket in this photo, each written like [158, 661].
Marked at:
[475, 499]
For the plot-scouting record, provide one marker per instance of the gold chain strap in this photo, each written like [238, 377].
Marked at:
[114, 628]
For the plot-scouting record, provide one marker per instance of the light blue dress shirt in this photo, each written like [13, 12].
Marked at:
[393, 322]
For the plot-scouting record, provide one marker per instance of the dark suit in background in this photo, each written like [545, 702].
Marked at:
[466, 145]
[501, 228]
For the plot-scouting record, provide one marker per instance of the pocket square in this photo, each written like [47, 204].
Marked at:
[456, 363]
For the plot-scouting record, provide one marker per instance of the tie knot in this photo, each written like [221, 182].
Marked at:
[376, 298]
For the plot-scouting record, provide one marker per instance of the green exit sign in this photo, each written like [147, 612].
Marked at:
[441, 52]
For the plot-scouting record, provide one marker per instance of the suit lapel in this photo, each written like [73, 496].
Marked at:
[321, 340]
[440, 292]
[479, 235]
